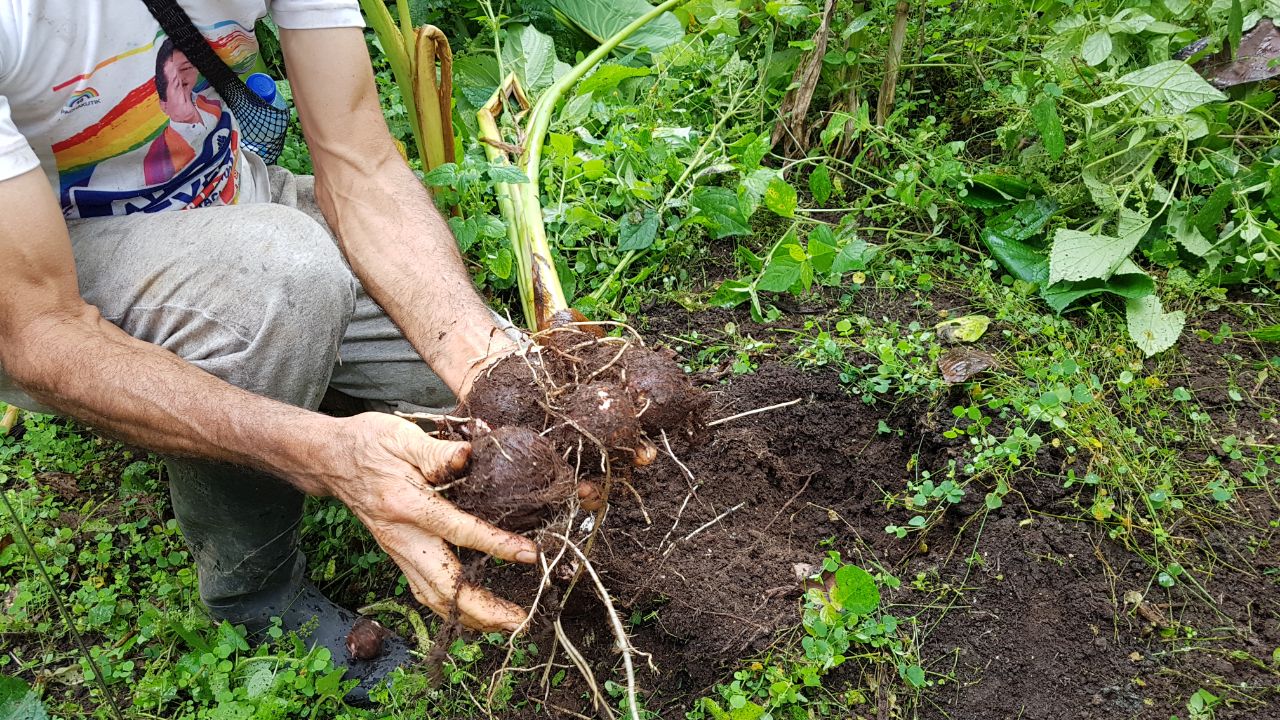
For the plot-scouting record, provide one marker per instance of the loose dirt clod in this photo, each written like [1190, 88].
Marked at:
[517, 480]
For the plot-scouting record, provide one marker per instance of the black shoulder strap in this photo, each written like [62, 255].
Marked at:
[263, 126]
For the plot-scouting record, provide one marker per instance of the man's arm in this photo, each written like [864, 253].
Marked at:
[390, 231]
[60, 350]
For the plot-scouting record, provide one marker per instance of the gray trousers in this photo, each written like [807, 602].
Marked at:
[260, 296]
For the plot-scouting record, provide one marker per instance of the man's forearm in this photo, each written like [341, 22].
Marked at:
[140, 393]
[404, 253]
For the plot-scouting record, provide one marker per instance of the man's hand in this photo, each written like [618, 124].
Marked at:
[385, 471]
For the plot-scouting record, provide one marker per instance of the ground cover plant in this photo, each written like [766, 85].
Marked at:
[1001, 279]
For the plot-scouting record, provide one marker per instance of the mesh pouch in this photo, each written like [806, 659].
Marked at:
[262, 126]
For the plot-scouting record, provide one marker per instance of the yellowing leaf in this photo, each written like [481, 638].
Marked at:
[963, 329]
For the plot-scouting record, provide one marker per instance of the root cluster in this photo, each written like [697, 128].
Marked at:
[574, 407]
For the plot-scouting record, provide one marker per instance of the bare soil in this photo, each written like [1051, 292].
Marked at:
[1022, 612]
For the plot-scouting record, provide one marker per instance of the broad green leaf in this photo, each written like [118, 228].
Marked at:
[1169, 88]
[1024, 262]
[1006, 235]
[502, 263]
[1130, 22]
[914, 674]
[820, 184]
[1096, 48]
[859, 24]
[1077, 255]
[531, 54]
[782, 272]
[989, 190]
[1187, 234]
[963, 329]
[18, 701]
[731, 293]
[719, 209]
[1045, 115]
[506, 174]
[1151, 328]
[855, 255]
[575, 110]
[821, 245]
[1103, 193]
[445, 175]
[780, 197]
[606, 79]
[602, 19]
[1128, 281]
[637, 234]
[855, 590]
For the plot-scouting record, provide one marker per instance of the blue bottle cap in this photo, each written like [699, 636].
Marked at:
[263, 85]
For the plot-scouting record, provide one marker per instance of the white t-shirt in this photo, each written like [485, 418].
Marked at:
[93, 92]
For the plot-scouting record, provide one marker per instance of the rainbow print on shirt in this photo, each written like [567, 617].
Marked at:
[168, 144]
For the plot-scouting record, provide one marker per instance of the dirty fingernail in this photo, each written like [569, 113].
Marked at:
[527, 556]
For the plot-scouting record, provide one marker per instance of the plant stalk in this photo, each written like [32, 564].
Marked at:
[543, 298]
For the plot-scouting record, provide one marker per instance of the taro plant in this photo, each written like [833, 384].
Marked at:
[414, 55]
[541, 292]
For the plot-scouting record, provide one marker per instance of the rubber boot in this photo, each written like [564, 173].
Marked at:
[242, 528]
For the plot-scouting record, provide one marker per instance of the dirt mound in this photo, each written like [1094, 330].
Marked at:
[1019, 612]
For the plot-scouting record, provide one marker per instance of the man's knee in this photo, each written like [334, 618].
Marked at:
[303, 273]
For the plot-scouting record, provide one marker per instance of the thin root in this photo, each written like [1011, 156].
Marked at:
[619, 632]
[789, 403]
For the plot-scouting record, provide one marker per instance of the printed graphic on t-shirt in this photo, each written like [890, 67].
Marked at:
[169, 144]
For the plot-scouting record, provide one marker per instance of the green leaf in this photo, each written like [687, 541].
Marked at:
[820, 184]
[719, 209]
[1210, 214]
[502, 264]
[531, 54]
[1169, 88]
[1045, 115]
[1128, 281]
[1235, 27]
[1187, 234]
[855, 590]
[1271, 333]
[445, 175]
[1077, 255]
[822, 248]
[914, 674]
[989, 190]
[780, 197]
[855, 255]
[499, 173]
[1151, 328]
[731, 293]
[637, 235]
[1006, 236]
[606, 79]
[1096, 48]
[602, 19]
[18, 701]
[780, 274]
